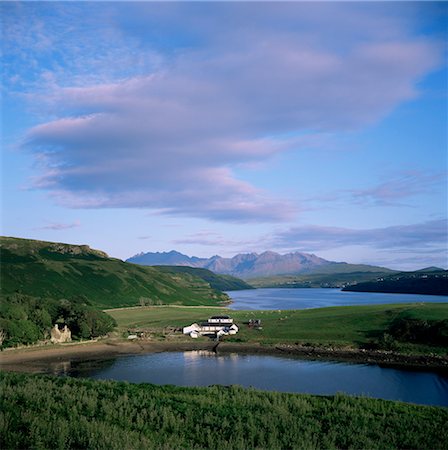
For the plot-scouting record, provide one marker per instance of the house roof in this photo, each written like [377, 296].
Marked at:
[220, 325]
[220, 317]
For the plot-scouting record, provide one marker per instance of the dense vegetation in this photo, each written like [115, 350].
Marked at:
[353, 326]
[432, 332]
[54, 270]
[26, 320]
[42, 412]
[432, 282]
[219, 282]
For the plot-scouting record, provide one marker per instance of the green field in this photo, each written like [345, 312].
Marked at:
[337, 326]
[43, 412]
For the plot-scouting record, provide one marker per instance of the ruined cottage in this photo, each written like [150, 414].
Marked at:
[59, 336]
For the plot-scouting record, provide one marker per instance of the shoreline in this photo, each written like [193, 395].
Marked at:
[42, 359]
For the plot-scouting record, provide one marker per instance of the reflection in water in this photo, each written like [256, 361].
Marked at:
[60, 368]
[80, 369]
[286, 374]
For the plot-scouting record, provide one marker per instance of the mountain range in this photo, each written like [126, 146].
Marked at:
[254, 265]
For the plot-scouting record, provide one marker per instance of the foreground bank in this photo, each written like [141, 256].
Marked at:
[113, 415]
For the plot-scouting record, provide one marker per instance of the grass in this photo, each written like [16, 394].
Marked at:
[42, 412]
[337, 326]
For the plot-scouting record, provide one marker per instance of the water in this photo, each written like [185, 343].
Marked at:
[296, 298]
[272, 373]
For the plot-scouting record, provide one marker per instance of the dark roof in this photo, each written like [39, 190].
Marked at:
[220, 325]
[220, 317]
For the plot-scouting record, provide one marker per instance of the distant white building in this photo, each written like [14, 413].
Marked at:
[219, 325]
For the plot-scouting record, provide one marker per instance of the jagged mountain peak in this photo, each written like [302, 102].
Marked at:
[243, 265]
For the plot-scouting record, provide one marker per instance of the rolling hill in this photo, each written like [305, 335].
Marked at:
[316, 279]
[219, 282]
[58, 270]
[430, 281]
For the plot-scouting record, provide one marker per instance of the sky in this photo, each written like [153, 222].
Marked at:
[228, 127]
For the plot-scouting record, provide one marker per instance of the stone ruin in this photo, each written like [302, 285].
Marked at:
[60, 336]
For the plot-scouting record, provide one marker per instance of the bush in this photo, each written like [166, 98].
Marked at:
[433, 332]
[43, 412]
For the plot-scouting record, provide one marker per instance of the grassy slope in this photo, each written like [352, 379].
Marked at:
[331, 275]
[45, 269]
[219, 282]
[430, 282]
[339, 268]
[44, 412]
[320, 279]
[338, 326]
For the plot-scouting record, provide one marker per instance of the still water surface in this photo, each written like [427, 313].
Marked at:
[273, 373]
[297, 298]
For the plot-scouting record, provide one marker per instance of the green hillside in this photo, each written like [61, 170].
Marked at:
[57, 270]
[431, 281]
[316, 280]
[334, 275]
[219, 282]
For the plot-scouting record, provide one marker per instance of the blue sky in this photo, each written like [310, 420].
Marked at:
[218, 128]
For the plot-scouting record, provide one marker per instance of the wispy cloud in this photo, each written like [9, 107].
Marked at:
[392, 192]
[60, 226]
[405, 185]
[170, 136]
[211, 239]
[431, 235]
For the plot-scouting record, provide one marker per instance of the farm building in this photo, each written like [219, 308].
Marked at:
[218, 325]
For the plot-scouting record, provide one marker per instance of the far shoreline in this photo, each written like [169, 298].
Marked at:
[39, 359]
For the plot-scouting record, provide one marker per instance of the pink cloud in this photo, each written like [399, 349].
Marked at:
[171, 138]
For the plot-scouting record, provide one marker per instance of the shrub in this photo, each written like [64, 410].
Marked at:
[434, 332]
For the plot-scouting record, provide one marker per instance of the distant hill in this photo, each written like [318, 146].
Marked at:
[317, 279]
[430, 281]
[431, 269]
[219, 282]
[254, 265]
[58, 270]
